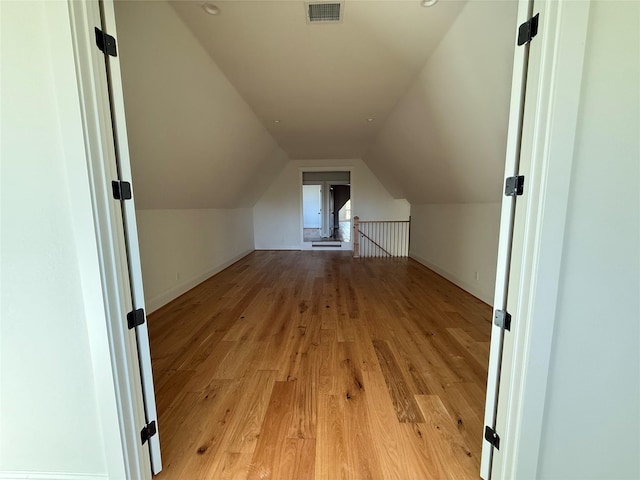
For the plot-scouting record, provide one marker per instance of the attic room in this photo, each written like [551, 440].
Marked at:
[228, 108]
[171, 306]
[233, 107]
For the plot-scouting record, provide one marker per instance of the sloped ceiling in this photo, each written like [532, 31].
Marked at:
[323, 81]
[203, 92]
[194, 141]
[445, 140]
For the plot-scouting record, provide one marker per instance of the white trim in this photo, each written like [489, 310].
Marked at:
[505, 237]
[159, 301]
[550, 144]
[473, 290]
[109, 234]
[51, 476]
[347, 246]
[131, 234]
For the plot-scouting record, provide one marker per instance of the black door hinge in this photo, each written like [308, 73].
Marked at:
[492, 437]
[106, 43]
[121, 190]
[502, 319]
[528, 30]
[514, 186]
[148, 431]
[135, 318]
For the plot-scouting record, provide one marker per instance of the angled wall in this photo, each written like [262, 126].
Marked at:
[443, 146]
[200, 156]
[445, 140]
[194, 142]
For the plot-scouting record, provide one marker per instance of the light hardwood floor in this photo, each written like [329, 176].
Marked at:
[313, 365]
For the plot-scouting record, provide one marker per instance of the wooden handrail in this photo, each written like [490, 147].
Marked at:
[383, 221]
[393, 234]
[374, 242]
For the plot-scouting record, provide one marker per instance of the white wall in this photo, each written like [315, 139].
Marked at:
[443, 146]
[458, 241]
[592, 411]
[57, 398]
[181, 248]
[445, 140]
[277, 214]
[194, 141]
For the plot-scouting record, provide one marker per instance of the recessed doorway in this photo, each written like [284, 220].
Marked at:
[326, 210]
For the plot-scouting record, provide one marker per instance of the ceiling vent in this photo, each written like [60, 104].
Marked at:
[324, 12]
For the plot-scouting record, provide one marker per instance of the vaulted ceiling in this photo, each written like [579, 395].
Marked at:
[321, 81]
[203, 94]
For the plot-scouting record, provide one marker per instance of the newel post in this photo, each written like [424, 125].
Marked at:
[356, 237]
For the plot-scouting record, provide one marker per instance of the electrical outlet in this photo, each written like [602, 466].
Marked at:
[477, 275]
[177, 275]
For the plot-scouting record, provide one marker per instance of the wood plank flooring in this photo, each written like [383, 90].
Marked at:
[313, 365]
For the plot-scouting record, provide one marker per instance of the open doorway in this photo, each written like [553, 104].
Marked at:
[333, 217]
[326, 210]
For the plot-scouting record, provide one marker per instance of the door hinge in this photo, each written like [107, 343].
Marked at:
[528, 30]
[121, 190]
[514, 186]
[106, 43]
[502, 319]
[148, 431]
[492, 437]
[135, 318]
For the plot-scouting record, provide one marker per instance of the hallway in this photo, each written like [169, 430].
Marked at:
[295, 365]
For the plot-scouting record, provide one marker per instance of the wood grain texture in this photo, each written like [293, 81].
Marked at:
[313, 365]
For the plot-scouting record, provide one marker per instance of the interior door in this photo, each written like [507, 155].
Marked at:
[312, 206]
[509, 252]
[131, 235]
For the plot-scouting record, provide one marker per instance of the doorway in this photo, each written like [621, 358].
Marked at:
[326, 210]
[331, 214]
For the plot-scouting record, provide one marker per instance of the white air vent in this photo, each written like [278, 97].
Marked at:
[324, 12]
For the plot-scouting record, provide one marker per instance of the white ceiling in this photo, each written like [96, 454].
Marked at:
[321, 81]
[202, 92]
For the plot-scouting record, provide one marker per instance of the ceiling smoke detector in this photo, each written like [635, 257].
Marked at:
[211, 9]
[324, 12]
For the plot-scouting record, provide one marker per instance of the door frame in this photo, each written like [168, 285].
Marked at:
[301, 169]
[550, 120]
[131, 234]
[109, 234]
[554, 113]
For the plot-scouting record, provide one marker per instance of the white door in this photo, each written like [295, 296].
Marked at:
[312, 206]
[131, 233]
[508, 248]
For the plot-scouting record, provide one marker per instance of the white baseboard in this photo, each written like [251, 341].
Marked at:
[51, 476]
[155, 303]
[473, 290]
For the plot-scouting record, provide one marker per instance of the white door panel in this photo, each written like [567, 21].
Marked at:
[131, 232]
[507, 248]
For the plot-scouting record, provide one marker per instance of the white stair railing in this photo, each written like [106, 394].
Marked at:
[381, 238]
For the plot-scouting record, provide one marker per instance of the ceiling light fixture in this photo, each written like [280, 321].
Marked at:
[370, 119]
[276, 121]
[211, 9]
[428, 3]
